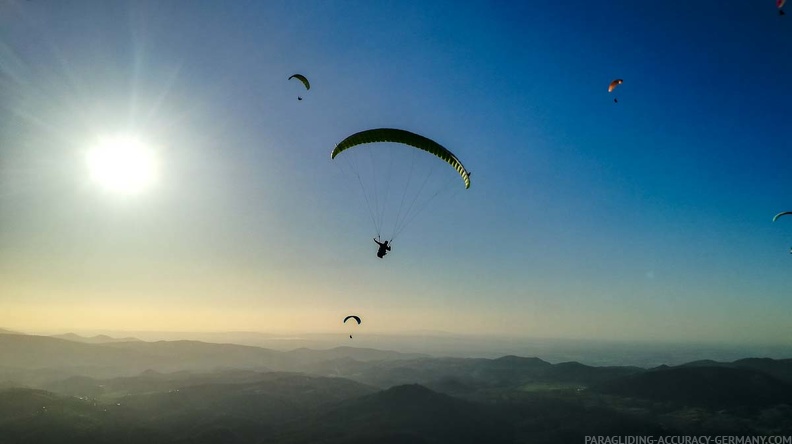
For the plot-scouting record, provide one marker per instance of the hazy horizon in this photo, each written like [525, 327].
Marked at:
[596, 352]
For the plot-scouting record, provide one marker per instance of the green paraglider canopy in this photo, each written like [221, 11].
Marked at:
[406, 138]
[301, 78]
[783, 213]
[352, 317]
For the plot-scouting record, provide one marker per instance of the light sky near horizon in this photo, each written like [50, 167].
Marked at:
[649, 219]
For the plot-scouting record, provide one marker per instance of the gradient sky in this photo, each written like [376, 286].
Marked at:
[649, 219]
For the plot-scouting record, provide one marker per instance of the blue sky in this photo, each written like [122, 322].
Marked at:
[646, 219]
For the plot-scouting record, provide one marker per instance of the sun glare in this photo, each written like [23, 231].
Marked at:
[122, 164]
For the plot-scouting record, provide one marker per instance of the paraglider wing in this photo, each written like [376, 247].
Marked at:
[301, 78]
[352, 317]
[407, 138]
[780, 3]
[775, 218]
[614, 84]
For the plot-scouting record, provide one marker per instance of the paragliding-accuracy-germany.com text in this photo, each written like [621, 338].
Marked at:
[682, 439]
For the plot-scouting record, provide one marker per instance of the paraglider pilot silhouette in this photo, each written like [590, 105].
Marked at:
[383, 249]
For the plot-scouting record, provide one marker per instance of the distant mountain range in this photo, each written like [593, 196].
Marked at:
[408, 414]
[250, 407]
[31, 359]
[98, 339]
[218, 409]
[40, 361]
[590, 352]
[72, 389]
[713, 387]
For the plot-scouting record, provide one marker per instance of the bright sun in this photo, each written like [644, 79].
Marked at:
[123, 164]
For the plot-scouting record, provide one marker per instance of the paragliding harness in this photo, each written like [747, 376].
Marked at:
[384, 247]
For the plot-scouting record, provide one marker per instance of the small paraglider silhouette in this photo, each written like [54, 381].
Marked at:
[775, 218]
[304, 81]
[779, 5]
[613, 86]
[356, 318]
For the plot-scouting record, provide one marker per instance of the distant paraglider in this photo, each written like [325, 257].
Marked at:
[781, 214]
[356, 318]
[780, 5]
[304, 81]
[613, 86]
